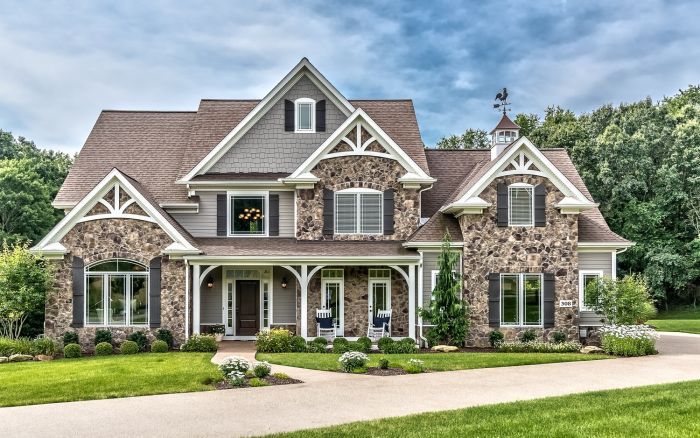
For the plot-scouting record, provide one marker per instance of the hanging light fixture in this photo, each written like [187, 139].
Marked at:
[210, 282]
[284, 282]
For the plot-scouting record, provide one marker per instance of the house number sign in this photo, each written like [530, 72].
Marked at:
[566, 303]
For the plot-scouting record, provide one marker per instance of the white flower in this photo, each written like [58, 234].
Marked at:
[640, 331]
[234, 363]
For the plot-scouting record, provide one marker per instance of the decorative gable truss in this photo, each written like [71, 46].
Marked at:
[521, 159]
[115, 197]
[359, 135]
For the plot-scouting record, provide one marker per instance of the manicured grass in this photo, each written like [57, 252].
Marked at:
[433, 361]
[679, 320]
[660, 411]
[92, 378]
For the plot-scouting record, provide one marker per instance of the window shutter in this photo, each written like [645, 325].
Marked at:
[288, 115]
[274, 215]
[78, 291]
[548, 298]
[389, 211]
[502, 205]
[321, 116]
[221, 215]
[328, 212]
[154, 291]
[494, 299]
[540, 198]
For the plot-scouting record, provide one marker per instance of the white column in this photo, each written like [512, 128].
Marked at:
[187, 300]
[304, 300]
[195, 299]
[613, 273]
[412, 301]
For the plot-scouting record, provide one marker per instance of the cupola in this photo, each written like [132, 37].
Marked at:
[505, 133]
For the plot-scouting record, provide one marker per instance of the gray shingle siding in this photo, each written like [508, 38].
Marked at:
[210, 304]
[266, 147]
[595, 261]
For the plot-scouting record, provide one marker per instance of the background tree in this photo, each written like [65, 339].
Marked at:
[623, 302]
[448, 312]
[471, 139]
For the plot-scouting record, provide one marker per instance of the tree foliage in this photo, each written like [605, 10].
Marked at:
[471, 139]
[448, 312]
[623, 302]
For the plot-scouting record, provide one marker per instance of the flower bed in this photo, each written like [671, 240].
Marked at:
[539, 347]
[238, 373]
[629, 340]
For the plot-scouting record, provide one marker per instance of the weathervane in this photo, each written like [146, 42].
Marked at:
[504, 104]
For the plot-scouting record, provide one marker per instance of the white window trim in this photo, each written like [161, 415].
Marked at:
[105, 294]
[340, 328]
[231, 194]
[521, 300]
[358, 211]
[370, 295]
[532, 207]
[304, 100]
[581, 274]
[433, 281]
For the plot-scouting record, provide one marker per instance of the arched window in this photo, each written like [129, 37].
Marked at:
[116, 293]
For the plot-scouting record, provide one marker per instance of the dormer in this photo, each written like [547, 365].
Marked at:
[505, 133]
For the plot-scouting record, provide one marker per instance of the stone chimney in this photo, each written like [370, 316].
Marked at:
[505, 133]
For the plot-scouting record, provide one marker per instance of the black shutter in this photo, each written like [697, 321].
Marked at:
[154, 291]
[288, 115]
[274, 215]
[78, 291]
[548, 298]
[540, 198]
[328, 207]
[389, 211]
[494, 299]
[502, 205]
[221, 215]
[321, 116]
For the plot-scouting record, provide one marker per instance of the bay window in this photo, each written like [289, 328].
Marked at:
[521, 299]
[116, 293]
[358, 211]
[247, 214]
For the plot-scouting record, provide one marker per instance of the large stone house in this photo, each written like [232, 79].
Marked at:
[255, 214]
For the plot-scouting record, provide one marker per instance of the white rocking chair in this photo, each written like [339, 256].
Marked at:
[324, 324]
[379, 327]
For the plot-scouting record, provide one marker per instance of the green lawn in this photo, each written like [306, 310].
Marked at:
[433, 361]
[92, 378]
[679, 320]
[660, 411]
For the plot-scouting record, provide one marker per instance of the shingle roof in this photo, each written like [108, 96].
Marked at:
[277, 246]
[434, 229]
[505, 123]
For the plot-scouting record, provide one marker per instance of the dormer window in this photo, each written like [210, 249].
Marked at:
[304, 110]
[521, 205]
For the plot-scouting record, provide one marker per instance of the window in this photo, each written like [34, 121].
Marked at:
[506, 136]
[116, 293]
[433, 281]
[332, 296]
[521, 208]
[585, 278]
[358, 211]
[247, 213]
[521, 299]
[304, 117]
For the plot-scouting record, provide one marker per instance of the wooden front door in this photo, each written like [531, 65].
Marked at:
[247, 307]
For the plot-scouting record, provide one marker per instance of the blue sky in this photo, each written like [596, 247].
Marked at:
[62, 62]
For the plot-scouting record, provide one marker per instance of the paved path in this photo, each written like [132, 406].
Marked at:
[334, 398]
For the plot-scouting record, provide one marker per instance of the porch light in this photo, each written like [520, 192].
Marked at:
[284, 282]
[210, 282]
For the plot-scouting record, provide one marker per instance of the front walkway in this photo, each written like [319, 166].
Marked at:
[340, 398]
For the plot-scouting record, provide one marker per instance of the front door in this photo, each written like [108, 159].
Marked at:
[379, 297]
[247, 307]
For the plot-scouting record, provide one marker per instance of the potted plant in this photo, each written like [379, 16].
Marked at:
[218, 330]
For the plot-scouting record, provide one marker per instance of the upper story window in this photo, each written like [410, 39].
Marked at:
[247, 212]
[506, 136]
[116, 293]
[304, 115]
[358, 211]
[521, 208]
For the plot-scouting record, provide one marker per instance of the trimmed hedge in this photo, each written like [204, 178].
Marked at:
[103, 336]
[129, 347]
[201, 344]
[103, 349]
[403, 346]
[72, 351]
[166, 336]
[539, 347]
[159, 346]
[140, 339]
[70, 338]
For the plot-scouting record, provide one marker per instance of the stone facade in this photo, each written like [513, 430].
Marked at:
[357, 172]
[103, 239]
[551, 249]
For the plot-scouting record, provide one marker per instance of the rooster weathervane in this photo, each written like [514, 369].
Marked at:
[503, 104]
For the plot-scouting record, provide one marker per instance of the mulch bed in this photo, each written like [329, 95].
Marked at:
[271, 380]
[376, 371]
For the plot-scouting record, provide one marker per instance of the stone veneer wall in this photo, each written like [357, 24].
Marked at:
[116, 238]
[353, 172]
[489, 248]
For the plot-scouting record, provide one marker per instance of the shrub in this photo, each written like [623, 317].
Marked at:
[297, 344]
[495, 338]
[166, 336]
[366, 343]
[9, 346]
[415, 366]
[558, 337]
[256, 382]
[262, 369]
[103, 349]
[359, 346]
[539, 347]
[274, 341]
[200, 343]
[404, 346]
[341, 345]
[103, 336]
[353, 360]
[159, 346]
[385, 344]
[235, 378]
[281, 376]
[72, 351]
[528, 335]
[140, 339]
[129, 347]
[233, 364]
[623, 302]
[45, 346]
[384, 363]
[630, 340]
[320, 341]
[6, 346]
[70, 338]
[315, 347]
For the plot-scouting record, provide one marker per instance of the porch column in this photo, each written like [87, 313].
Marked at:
[195, 298]
[304, 300]
[412, 301]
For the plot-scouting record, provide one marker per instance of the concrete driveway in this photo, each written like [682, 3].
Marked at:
[334, 398]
